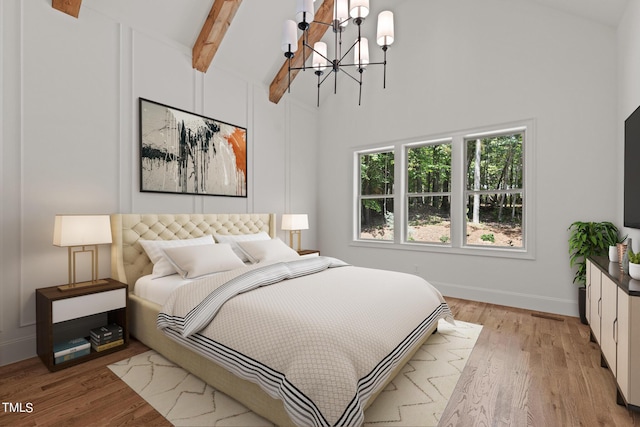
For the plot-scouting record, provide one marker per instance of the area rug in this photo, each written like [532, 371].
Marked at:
[417, 396]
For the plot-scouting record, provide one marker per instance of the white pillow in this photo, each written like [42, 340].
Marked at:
[196, 261]
[155, 251]
[268, 250]
[233, 240]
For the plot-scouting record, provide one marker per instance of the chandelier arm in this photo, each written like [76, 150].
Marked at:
[313, 50]
[322, 23]
[348, 51]
[345, 71]
[384, 73]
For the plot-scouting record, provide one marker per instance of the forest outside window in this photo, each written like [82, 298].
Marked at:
[466, 192]
[429, 193]
[494, 193]
[376, 198]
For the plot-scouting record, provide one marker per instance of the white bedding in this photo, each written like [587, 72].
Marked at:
[157, 290]
[324, 342]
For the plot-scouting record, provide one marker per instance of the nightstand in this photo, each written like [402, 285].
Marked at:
[65, 315]
[308, 252]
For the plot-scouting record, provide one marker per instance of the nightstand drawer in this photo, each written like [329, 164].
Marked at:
[85, 305]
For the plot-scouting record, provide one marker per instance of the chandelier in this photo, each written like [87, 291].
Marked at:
[343, 12]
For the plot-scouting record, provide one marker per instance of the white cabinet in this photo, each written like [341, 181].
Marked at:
[593, 299]
[609, 322]
[613, 302]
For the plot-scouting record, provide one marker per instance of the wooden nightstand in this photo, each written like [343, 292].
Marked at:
[63, 315]
[308, 252]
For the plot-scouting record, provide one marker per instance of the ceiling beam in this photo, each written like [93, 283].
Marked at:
[212, 33]
[70, 7]
[280, 82]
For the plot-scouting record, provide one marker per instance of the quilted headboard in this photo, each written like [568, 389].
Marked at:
[129, 261]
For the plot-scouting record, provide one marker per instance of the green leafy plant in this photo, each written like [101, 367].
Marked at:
[488, 238]
[633, 257]
[589, 239]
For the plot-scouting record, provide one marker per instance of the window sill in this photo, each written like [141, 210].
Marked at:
[495, 252]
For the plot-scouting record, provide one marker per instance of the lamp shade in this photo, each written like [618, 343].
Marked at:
[359, 8]
[81, 230]
[295, 222]
[341, 12]
[385, 28]
[305, 11]
[361, 53]
[289, 36]
[319, 55]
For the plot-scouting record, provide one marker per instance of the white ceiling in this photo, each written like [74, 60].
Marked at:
[251, 46]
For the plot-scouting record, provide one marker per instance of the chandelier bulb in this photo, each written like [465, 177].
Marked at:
[359, 9]
[385, 32]
[289, 37]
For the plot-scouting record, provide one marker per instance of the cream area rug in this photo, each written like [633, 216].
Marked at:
[417, 396]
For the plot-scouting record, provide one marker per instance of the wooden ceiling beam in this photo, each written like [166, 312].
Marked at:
[70, 7]
[212, 33]
[280, 82]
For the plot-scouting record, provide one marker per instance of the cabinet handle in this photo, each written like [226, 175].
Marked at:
[615, 331]
[599, 305]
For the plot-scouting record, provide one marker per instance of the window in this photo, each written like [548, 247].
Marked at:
[429, 193]
[467, 192]
[376, 199]
[495, 190]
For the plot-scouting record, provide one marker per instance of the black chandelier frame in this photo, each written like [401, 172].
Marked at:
[337, 64]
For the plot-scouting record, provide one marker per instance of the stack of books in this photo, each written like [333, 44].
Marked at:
[72, 349]
[106, 337]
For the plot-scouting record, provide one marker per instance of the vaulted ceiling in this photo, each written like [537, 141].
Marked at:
[247, 33]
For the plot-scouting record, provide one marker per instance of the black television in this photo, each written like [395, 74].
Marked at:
[632, 170]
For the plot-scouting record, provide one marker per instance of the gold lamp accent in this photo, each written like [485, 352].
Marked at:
[82, 233]
[295, 223]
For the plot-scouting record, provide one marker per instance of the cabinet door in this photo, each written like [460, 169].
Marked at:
[623, 338]
[609, 320]
[594, 322]
[587, 307]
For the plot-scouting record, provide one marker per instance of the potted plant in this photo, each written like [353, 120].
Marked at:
[615, 249]
[634, 264]
[588, 239]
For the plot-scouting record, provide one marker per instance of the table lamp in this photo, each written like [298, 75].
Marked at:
[295, 223]
[82, 233]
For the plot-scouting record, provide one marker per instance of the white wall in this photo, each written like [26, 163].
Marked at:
[628, 91]
[466, 64]
[69, 141]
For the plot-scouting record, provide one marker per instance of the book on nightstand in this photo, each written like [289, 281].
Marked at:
[71, 349]
[106, 334]
[107, 346]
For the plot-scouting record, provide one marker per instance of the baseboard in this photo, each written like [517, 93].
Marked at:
[17, 349]
[511, 299]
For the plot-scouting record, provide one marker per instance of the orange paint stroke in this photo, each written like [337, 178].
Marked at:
[238, 143]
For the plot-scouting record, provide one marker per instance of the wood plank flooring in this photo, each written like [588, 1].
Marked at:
[527, 369]
[532, 369]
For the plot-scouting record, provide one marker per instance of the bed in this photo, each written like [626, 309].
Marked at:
[215, 340]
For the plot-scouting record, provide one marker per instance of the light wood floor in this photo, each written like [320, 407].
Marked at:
[527, 369]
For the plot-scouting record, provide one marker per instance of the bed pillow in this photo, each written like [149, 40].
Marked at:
[197, 261]
[268, 250]
[155, 251]
[234, 239]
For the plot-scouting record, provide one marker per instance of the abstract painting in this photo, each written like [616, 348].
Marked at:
[186, 153]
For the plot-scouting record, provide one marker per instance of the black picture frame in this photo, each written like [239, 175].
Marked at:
[186, 153]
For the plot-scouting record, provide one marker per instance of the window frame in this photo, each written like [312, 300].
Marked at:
[458, 190]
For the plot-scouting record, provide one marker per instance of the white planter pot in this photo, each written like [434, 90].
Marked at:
[613, 253]
[634, 271]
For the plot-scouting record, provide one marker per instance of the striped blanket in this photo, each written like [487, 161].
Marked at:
[321, 338]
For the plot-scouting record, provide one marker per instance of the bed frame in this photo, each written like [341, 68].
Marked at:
[129, 262]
